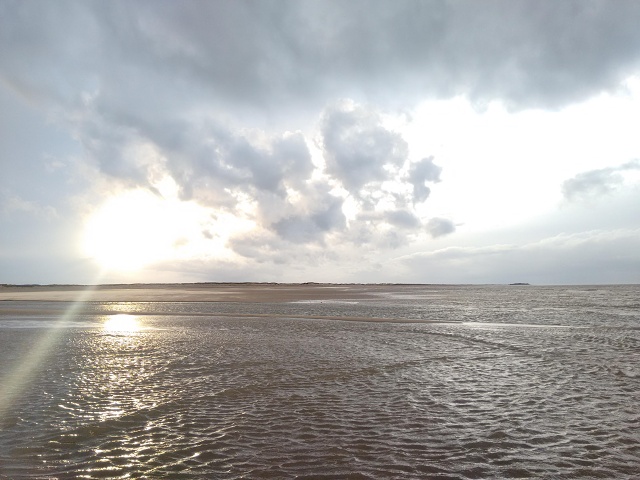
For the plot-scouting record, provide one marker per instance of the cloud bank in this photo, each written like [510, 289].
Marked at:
[563, 259]
[278, 53]
[595, 183]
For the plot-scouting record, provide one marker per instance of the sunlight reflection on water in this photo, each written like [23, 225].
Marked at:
[273, 390]
[122, 323]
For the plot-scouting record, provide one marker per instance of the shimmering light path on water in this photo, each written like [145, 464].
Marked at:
[204, 390]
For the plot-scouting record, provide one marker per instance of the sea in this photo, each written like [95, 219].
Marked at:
[455, 382]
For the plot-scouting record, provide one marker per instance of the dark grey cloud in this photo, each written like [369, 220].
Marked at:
[295, 54]
[438, 227]
[594, 183]
[539, 54]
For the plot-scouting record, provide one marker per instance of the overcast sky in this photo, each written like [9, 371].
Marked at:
[329, 141]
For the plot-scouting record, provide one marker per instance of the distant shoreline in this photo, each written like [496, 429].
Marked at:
[216, 284]
[199, 292]
[267, 292]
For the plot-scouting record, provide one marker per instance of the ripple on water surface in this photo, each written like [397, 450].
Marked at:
[224, 397]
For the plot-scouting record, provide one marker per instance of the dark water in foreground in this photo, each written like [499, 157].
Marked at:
[533, 382]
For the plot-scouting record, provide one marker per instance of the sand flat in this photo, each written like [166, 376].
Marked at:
[203, 386]
[205, 292]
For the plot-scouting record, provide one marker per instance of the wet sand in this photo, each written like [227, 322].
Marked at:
[194, 292]
[248, 293]
[241, 385]
[451, 382]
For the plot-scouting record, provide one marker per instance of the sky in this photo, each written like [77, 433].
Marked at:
[320, 141]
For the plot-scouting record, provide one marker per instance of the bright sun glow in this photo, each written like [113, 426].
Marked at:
[122, 323]
[137, 228]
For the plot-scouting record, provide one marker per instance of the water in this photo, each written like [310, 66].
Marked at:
[516, 382]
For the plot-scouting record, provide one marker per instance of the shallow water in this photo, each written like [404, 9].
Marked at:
[517, 382]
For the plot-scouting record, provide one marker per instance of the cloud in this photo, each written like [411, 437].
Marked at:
[281, 257]
[12, 205]
[542, 54]
[371, 161]
[578, 258]
[595, 183]
[358, 149]
[420, 173]
[283, 56]
[438, 227]
[236, 105]
[272, 177]
[200, 154]
[402, 219]
[322, 214]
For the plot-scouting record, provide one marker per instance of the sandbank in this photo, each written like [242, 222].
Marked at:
[195, 292]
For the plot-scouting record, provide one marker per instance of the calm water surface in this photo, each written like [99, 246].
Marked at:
[516, 382]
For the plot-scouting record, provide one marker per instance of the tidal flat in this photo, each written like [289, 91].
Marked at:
[319, 381]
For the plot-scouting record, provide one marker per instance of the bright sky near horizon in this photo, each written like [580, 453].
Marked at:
[330, 141]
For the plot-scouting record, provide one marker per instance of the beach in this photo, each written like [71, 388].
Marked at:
[266, 381]
[203, 292]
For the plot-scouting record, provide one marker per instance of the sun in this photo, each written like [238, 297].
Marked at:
[127, 232]
[136, 228]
